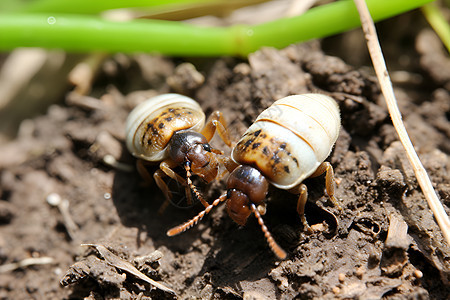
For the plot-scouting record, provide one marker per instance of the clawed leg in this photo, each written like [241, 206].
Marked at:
[141, 166]
[143, 172]
[229, 163]
[216, 121]
[157, 178]
[158, 175]
[329, 181]
[302, 190]
[166, 168]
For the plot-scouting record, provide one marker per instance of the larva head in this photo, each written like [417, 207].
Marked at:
[247, 188]
[246, 185]
[192, 148]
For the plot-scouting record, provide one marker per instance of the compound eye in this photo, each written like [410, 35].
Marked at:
[207, 147]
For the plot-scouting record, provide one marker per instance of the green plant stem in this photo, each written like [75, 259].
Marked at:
[86, 33]
[86, 6]
[438, 22]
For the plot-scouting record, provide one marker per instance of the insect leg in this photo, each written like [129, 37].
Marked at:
[329, 181]
[143, 172]
[166, 167]
[157, 176]
[216, 121]
[229, 163]
[301, 202]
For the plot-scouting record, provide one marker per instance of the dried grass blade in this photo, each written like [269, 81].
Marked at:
[123, 265]
[388, 92]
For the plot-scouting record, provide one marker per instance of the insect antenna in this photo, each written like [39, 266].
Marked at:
[187, 167]
[181, 228]
[273, 245]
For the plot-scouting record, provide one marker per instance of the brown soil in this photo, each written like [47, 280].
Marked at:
[386, 245]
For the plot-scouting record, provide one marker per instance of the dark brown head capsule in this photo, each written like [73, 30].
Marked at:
[192, 149]
[245, 185]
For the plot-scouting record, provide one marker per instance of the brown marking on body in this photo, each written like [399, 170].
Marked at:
[256, 145]
[159, 130]
[269, 154]
[248, 143]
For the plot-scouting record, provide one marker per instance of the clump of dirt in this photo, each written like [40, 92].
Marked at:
[386, 244]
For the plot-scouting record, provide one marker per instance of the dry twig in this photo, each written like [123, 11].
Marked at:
[25, 263]
[388, 92]
[125, 266]
[55, 200]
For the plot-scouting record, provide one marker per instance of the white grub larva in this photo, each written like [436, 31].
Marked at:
[170, 129]
[287, 143]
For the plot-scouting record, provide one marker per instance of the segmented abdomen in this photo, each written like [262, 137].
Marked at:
[154, 122]
[291, 138]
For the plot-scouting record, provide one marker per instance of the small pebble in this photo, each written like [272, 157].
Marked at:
[319, 227]
[336, 290]
[418, 274]
[360, 272]
[54, 199]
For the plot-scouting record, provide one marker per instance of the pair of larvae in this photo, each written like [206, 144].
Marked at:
[287, 143]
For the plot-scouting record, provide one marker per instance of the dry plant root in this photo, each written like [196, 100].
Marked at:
[388, 92]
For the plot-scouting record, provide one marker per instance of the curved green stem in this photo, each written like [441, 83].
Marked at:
[87, 33]
[323, 21]
[438, 22]
[85, 6]
[84, 33]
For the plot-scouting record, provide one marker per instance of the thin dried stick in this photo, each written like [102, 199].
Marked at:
[126, 266]
[388, 92]
[25, 263]
[55, 199]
